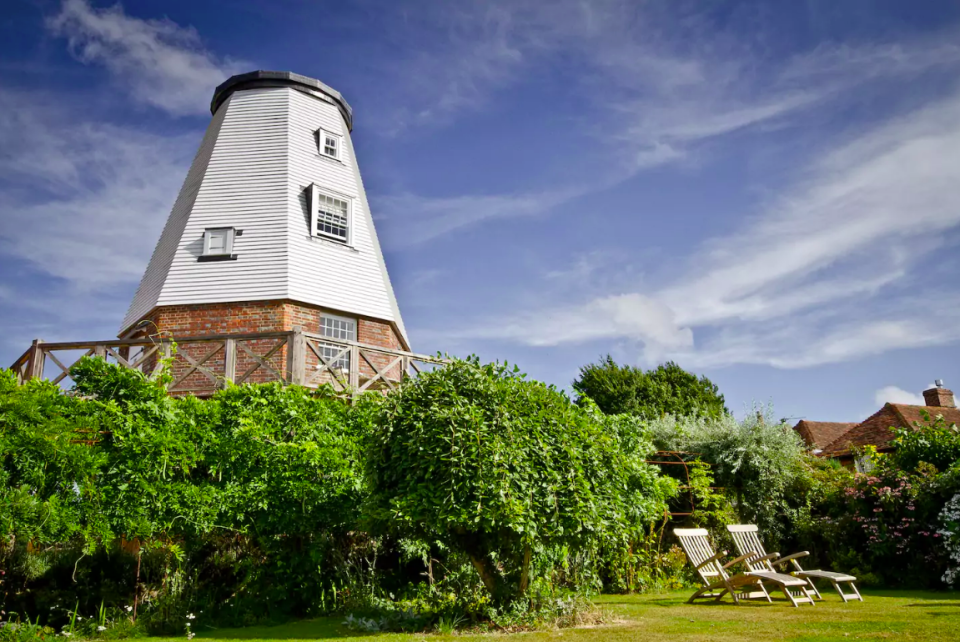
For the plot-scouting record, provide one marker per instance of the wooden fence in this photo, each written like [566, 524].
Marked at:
[201, 365]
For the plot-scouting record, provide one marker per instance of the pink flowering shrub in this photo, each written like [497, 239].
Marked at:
[885, 525]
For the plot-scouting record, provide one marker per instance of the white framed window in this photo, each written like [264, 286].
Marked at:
[864, 464]
[330, 215]
[336, 327]
[218, 243]
[330, 144]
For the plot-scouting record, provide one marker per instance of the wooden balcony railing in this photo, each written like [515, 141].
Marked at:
[201, 365]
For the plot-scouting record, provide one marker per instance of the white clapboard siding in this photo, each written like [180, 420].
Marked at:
[152, 282]
[328, 273]
[253, 172]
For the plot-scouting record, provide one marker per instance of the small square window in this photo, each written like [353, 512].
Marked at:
[218, 243]
[330, 215]
[329, 144]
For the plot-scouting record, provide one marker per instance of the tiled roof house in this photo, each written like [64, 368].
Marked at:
[836, 440]
[819, 434]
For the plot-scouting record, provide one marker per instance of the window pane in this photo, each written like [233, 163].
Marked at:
[332, 217]
[335, 328]
[329, 146]
[329, 353]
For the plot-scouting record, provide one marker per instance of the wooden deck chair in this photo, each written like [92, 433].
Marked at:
[717, 582]
[745, 538]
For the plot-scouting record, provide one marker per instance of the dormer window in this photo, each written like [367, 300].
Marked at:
[218, 244]
[330, 144]
[330, 215]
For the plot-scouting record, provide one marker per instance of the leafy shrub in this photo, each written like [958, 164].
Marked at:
[503, 469]
[246, 507]
[250, 498]
[932, 441]
[761, 465]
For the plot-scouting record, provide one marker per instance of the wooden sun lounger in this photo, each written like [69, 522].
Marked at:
[717, 582]
[746, 539]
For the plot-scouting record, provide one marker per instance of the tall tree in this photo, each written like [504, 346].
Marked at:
[667, 389]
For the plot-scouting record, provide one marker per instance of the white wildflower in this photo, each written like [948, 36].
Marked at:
[950, 519]
[101, 628]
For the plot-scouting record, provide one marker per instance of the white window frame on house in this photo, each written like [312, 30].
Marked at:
[341, 329]
[320, 197]
[337, 144]
[864, 464]
[227, 234]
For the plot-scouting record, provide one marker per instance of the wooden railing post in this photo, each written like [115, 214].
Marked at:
[354, 378]
[100, 351]
[35, 364]
[165, 351]
[229, 361]
[296, 357]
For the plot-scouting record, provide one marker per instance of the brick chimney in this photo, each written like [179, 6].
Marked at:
[939, 397]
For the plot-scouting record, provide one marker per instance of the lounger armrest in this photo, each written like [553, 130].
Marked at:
[710, 560]
[739, 559]
[790, 558]
[763, 558]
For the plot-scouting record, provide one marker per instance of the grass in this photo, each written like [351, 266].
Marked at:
[885, 615]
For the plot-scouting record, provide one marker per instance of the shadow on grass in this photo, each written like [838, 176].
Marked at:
[319, 629]
[668, 603]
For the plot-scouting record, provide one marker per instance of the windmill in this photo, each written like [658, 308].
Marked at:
[272, 229]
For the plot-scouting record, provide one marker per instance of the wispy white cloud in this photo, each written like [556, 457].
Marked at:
[157, 62]
[811, 340]
[893, 394]
[842, 233]
[424, 219]
[83, 201]
[654, 97]
[864, 61]
[632, 316]
[857, 204]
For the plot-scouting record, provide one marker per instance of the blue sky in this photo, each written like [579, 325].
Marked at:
[766, 193]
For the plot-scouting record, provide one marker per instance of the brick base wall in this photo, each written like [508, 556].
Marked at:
[257, 316]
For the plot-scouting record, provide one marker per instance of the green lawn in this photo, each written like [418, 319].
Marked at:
[885, 615]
